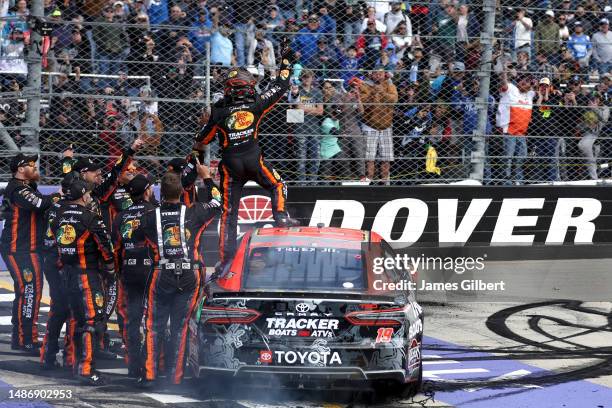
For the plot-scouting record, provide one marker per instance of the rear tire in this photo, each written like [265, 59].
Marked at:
[411, 389]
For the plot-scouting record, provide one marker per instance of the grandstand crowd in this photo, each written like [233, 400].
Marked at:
[383, 90]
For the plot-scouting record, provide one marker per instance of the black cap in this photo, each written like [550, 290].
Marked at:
[67, 181]
[138, 185]
[85, 164]
[22, 159]
[77, 189]
[177, 164]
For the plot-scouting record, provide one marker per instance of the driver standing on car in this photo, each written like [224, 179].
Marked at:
[235, 119]
[172, 232]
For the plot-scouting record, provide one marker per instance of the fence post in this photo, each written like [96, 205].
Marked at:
[486, 65]
[207, 100]
[33, 56]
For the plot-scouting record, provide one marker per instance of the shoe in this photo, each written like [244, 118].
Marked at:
[286, 222]
[144, 383]
[117, 347]
[105, 355]
[31, 349]
[134, 372]
[50, 365]
[93, 379]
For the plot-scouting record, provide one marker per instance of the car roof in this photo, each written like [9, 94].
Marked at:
[344, 234]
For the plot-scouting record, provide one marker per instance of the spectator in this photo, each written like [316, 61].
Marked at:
[333, 159]
[305, 42]
[468, 33]
[130, 127]
[349, 63]
[513, 117]
[396, 16]
[308, 98]
[158, 11]
[369, 44]
[274, 19]
[602, 47]
[378, 98]
[444, 30]
[372, 17]
[145, 62]
[245, 13]
[543, 68]
[565, 10]
[351, 18]
[413, 127]
[167, 38]
[564, 31]
[593, 121]
[544, 130]
[470, 91]
[175, 84]
[417, 66]
[199, 34]
[581, 16]
[522, 33]
[579, 44]
[221, 47]
[522, 62]
[328, 23]
[261, 49]
[547, 35]
[401, 37]
[326, 59]
[330, 97]
[120, 12]
[112, 44]
[79, 52]
[352, 141]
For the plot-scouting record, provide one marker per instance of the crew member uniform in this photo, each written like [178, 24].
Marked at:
[84, 243]
[135, 264]
[236, 119]
[172, 232]
[23, 210]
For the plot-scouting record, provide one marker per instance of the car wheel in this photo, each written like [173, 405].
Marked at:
[413, 388]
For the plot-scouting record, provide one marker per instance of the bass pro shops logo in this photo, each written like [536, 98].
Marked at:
[255, 211]
[240, 120]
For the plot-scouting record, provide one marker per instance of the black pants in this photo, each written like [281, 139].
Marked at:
[168, 298]
[86, 296]
[130, 308]
[235, 171]
[59, 312]
[26, 270]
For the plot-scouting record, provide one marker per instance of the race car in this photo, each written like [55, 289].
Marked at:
[300, 305]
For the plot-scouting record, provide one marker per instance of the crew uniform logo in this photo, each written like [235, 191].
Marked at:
[27, 275]
[66, 234]
[172, 236]
[128, 228]
[240, 120]
[99, 299]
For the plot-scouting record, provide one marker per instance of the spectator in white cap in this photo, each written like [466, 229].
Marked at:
[547, 38]
[523, 27]
[602, 47]
[579, 44]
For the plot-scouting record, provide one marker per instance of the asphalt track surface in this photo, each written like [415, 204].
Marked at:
[544, 353]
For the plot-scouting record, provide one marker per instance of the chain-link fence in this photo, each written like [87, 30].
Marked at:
[398, 92]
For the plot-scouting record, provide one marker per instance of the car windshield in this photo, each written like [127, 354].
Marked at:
[305, 267]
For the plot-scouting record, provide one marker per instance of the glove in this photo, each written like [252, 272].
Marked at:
[287, 53]
[190, 174]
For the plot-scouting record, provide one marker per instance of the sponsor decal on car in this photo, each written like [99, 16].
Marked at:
[265, 356]
[414, 355]
[318, 358]
[302, 327]
[415, 328]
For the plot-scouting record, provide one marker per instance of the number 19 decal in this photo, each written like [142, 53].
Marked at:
[384, 335]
